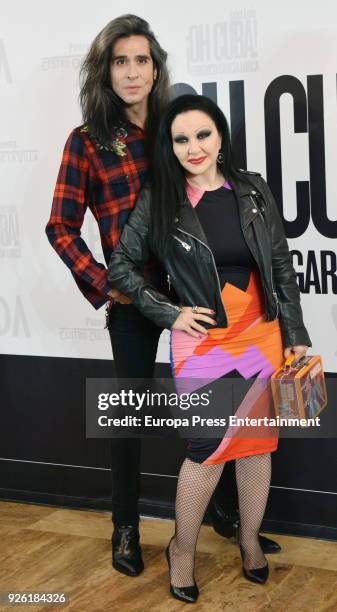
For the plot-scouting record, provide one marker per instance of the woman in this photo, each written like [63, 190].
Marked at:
[218, 233]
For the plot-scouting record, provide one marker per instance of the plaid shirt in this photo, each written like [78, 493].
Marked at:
[106, 181]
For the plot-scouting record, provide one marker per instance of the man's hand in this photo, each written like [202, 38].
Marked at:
[187, 321]
[118, 297]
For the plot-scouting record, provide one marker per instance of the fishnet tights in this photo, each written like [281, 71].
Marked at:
[196, 484]
[253, 481]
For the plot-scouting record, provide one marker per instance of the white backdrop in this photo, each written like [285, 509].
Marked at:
[41, 46]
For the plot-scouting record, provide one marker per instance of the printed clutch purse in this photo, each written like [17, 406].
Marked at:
[299, 389]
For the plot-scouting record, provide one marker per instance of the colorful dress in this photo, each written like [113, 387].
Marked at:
[250, 348]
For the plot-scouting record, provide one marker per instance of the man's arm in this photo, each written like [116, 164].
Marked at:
[64, 226]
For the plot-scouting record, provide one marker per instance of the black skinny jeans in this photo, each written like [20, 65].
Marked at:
[134, 341]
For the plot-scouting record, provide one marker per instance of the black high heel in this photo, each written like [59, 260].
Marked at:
[187, 594]
[259, 575]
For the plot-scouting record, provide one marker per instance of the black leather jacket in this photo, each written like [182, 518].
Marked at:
[191, 268]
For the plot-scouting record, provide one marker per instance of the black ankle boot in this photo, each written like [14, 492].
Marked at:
[187, 594]
[259, 575]
[227, 524]
[268, 546]
[224, 523]
[126, 552]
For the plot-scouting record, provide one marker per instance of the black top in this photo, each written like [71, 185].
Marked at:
[219, 216]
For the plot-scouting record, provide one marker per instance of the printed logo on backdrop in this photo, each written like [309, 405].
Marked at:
[224, 47]
[10, 244]
[13, 318]
[92, 331]
[316, 269]
[10, 153]
[72, 59]
[5, 73]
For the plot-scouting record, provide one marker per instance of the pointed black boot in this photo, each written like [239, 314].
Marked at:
[224, 523]
[227, 524]
[269, 547]
[187, 594]
[126, 552]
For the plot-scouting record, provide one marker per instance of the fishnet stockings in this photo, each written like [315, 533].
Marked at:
[196, 484]
[253, 475]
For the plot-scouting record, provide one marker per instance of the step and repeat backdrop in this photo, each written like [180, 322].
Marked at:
[272, 69]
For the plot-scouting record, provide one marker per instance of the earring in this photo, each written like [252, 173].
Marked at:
[220, 158]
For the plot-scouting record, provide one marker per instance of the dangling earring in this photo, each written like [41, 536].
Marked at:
[220, 158]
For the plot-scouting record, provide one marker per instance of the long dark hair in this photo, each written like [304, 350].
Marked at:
[168, 188]
[102, 109]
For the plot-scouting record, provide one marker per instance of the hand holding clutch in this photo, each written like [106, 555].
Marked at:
[299, 351]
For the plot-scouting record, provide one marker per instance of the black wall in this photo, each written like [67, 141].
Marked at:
[46, 458]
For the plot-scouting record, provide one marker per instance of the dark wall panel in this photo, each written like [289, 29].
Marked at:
[45, 457]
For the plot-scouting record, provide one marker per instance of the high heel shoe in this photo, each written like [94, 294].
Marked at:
[259, 575]
[187, 594]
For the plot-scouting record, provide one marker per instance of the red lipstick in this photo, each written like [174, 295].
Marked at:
[197, 160]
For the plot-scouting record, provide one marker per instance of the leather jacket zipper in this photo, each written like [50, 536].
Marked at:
[213, 260]
[184, 244]
[257, 208]
[275, 296]
[160, 302]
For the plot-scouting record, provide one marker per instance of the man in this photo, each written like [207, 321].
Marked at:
[105, 163]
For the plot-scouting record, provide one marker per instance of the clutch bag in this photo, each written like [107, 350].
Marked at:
[299, 389]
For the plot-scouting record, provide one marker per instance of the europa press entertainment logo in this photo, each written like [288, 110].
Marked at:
[225, 47]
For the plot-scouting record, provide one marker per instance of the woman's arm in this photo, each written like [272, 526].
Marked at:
[125, 274]
[125, 271]
[288, 293]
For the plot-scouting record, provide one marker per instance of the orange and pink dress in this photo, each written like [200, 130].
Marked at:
[250, 348]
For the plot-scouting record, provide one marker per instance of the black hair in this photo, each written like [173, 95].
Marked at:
[168, 188]
[102, 108]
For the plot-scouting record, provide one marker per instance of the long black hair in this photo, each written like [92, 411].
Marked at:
[168, 187]
[102, 109]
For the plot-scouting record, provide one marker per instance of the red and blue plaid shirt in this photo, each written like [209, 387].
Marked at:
[106, 181]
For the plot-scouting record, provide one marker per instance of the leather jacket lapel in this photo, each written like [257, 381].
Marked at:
[188, 220]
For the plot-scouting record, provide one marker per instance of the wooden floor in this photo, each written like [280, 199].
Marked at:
[44, 548]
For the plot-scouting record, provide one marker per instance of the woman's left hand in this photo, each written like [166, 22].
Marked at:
[299, 351]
